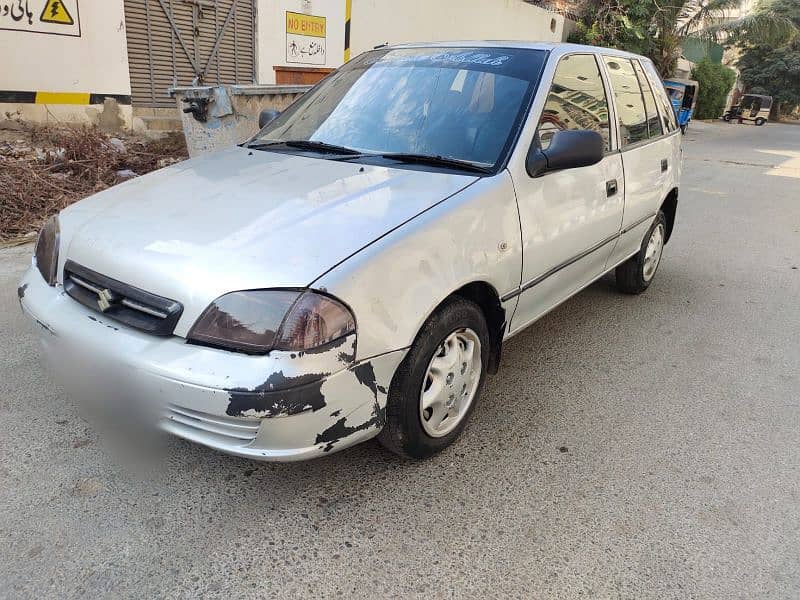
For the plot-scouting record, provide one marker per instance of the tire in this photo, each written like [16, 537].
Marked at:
[404, 432]
[726, 117]
[760, 121]
[635, 275]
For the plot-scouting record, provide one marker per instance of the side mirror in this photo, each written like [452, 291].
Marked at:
[568, 149]
[266, 116]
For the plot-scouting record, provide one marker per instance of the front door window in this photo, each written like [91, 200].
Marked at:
[577, 100]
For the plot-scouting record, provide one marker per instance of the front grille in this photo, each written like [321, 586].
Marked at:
[237, 430]
[120, 301]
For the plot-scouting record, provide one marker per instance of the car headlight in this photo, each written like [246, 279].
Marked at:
[46, 251]
[258, 321]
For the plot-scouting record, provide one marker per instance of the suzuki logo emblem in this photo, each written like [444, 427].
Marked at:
[104, 300]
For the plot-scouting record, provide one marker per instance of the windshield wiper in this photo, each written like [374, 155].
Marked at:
[436, 161]
[306, 145]
[422, 159]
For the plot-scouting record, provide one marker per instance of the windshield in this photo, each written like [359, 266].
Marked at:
[459, 103]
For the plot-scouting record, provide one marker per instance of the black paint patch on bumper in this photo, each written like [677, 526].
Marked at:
[365, 373]
[339, 430]
[279, 395]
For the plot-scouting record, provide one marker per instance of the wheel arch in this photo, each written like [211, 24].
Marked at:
[486, 297]
[670, 207]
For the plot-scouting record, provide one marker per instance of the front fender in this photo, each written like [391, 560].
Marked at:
[395, 283]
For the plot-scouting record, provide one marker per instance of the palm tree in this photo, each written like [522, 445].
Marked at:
[773, 22]
[658, 27]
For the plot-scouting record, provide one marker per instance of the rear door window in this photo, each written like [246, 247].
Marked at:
[653, 120]
[577, 100]
[631, 112]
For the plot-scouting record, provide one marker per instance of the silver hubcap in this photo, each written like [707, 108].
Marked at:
[652, 255]
[450, 383]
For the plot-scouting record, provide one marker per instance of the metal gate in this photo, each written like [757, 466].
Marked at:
[187, 42]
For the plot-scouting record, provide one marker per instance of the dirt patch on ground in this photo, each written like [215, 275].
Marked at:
[44, 169]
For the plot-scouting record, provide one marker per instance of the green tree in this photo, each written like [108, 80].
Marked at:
[621, 24]
[773, 22]
[715, 82]
[657, 28]
[773, 72]
[769, 69]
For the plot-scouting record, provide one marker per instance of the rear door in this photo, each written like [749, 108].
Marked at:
[647, 151]
[569, 219]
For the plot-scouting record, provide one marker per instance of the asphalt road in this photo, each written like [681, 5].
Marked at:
[631, 447]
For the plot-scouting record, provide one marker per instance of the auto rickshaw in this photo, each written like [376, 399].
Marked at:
[683, 95]
[752, 107]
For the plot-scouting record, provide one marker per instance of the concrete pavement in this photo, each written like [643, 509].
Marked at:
[631, 447]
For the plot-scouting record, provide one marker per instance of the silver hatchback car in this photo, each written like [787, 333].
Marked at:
[354, 269]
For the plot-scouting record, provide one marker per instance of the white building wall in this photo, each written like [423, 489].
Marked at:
[376, 22]
[271, 37]
[68, 66]
[379, 21]
[96, 62]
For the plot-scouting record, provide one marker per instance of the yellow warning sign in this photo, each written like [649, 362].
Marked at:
[301, 24]
[55, 12]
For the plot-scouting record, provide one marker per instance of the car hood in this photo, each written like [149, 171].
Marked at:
[241, 219]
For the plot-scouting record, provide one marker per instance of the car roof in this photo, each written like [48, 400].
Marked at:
[559, 47]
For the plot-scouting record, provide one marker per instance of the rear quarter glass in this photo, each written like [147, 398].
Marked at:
[665, 106]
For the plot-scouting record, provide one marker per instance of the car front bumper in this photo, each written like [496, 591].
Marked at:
[280, 407]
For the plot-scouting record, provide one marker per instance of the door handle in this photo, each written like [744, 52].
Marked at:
[611, 187]
[664, 165]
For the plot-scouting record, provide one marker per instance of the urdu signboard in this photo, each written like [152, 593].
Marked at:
[54, 17]
[305, 39]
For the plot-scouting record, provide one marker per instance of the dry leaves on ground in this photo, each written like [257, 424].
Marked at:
[55, 167]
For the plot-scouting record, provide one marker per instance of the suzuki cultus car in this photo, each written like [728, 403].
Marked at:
[354, 269]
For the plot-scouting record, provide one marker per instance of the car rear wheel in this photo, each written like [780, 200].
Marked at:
[760, 121]
[436, 387]
[635, 274]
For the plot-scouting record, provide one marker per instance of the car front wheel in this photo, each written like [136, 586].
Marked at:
[436, 387]
[635, 274]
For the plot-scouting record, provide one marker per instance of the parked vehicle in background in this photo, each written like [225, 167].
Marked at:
[683, 96]
[751, 107]
[354, 269]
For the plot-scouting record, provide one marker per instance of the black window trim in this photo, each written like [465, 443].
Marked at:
[649, 76]
[670, 115]
[636, 62]
[525, 114]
